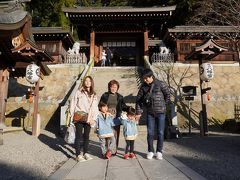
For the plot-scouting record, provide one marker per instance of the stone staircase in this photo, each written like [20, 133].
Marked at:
[127, 77]
[129, 80]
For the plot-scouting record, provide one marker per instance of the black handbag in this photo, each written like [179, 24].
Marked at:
[147, 99]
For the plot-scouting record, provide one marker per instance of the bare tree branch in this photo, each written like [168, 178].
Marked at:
[220, 13]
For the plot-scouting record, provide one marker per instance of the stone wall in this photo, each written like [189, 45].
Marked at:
[224, 91]
[53, 90]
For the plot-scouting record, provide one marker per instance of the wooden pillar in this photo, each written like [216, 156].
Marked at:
[36, 118]
[145, 48]
[4, 76]
[203, 114]
[92, 44]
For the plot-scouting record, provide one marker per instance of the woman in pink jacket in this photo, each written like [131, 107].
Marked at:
[85, 100]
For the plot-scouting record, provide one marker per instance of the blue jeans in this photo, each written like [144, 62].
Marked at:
[103, 62]
[159, 120]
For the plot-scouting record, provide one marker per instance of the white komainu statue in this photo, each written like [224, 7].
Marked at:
[75, 49]
[164, 50]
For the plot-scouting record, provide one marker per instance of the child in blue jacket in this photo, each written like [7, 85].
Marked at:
[104, 125]
[130, 132]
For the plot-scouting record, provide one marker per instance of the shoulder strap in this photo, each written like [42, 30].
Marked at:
[91, 100]
[90, 108]
[151, 89]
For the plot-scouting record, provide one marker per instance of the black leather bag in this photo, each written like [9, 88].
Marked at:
[147, 99]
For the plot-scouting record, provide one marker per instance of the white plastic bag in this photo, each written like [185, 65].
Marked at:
[70, 134]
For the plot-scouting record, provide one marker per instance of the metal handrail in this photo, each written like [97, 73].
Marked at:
[148, 65]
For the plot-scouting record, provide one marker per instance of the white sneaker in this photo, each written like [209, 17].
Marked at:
[159, 155]
[80, 158]
[150, 155]
[87, 156]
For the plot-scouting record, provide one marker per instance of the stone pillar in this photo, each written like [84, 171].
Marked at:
[4, 76]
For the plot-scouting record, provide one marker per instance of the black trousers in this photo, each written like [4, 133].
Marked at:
[116, 133]
[82, 137]
[129, 146]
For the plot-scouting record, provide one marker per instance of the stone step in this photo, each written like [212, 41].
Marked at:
[12, 129]
[127, 77]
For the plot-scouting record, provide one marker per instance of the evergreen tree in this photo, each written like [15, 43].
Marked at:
[183, 11]
[49, 12]
[119, 3]
[87, 3]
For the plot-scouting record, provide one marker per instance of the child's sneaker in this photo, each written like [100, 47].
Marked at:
[108, 154]
[80, 158]
[104, 156]
[132, 155]
[126, 156]
[87, 156]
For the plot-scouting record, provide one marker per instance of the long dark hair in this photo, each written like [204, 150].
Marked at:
[84, 88]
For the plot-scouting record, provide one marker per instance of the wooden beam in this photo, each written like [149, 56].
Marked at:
[27, 53]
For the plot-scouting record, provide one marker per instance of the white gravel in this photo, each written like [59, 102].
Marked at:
[23, 156]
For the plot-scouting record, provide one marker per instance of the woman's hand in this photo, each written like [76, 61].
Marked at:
[92, 122]
[137, 117]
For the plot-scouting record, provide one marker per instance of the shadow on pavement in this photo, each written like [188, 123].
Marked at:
[58, 144]
[10, 171]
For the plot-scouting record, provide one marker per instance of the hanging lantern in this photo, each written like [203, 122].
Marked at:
[32, 73]
[206, 71]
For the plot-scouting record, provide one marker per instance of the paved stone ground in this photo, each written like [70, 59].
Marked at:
[215, 157]
[117, 168]
[23, 156]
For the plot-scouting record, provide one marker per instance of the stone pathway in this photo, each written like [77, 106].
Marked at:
[118, 168]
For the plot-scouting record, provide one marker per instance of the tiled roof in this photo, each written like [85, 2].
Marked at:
[48, 30]
[204, 29]
[12, 17]
[126, 9]
[50, 33]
